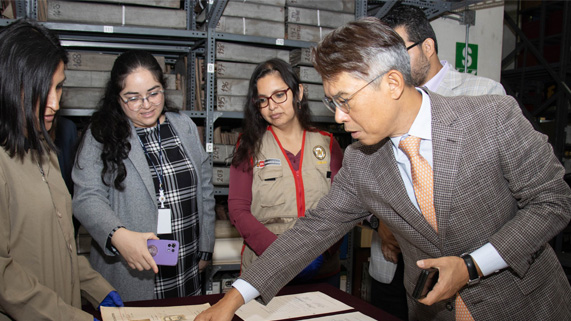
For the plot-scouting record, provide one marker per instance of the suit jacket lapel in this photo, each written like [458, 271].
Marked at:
[397, 197]
[446, 143]
[139, 160]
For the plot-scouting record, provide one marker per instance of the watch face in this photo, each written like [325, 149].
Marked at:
[374, 221]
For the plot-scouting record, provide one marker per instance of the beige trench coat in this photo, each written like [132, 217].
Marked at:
[41, 276]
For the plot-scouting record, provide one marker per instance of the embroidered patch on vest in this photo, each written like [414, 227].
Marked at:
[268, 162]
[319, 152]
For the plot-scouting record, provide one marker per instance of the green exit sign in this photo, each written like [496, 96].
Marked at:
[471, 59]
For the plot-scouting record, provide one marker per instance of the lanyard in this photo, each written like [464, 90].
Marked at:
[159, 172]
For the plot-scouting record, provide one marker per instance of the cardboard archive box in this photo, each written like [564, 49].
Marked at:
[308, 74]
[229, 69]
[112, 14]
[222, 154]
[277, 3]
[230, 103]
[347, 6]
[221, 176]
[300, 57]
[243, 53]
[317, 108]
[318, 17]
[306, 33]
[85, 60]
[313, 91]
[151, 3]
[251, 27]
[98, 79]
[232, 87]
[247, 9]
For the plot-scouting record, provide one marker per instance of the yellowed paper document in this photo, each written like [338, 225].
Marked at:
[291, 306]
[351, 316]
[174, 313]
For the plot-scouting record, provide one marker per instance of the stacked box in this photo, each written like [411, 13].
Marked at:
[253, 19]
[235, 64]
[308, 74]
[306, 33]
[112, 14]
[318, 17]
[347, 6]
[300, 57]
[228, 51]
[87, 75]
[151, 3]
[222, 154]
[221, 176]
[227, 72]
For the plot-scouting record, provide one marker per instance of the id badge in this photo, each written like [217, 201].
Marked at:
[164, 223]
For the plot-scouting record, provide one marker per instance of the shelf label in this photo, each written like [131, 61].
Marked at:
[210, 68]
[108, 29]
[209, 147]
[280, 41]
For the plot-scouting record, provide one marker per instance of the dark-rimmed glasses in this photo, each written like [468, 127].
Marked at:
[414, 44]
[136, 103]
[278, 97]
[343, 103]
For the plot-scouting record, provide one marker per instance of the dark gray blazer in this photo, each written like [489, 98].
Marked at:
[495, 180]
[101, 208]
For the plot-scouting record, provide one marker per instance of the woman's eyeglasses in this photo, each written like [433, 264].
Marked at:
[136, 103]
[278, 97]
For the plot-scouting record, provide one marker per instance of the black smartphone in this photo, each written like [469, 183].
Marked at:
[426, 281]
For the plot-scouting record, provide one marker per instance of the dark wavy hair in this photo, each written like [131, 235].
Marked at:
[414, 21]
[253, 124]
[109, 125]
[29, 57]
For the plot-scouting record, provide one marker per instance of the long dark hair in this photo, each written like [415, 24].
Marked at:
[29, 57]
[109, 124]
[253, 124]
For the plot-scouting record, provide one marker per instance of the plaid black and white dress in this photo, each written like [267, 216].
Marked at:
[180, 186]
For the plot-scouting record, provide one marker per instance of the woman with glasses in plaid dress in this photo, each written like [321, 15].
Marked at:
[142, 173]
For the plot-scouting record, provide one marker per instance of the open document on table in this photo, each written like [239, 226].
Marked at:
[293, 306]
[182, 312]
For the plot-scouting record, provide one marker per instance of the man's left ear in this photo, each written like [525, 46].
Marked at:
[428, 47]
[396, 83]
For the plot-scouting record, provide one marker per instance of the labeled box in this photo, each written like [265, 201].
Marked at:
[251, 27]
[230, 103]
[244, 53]
[233, 87]
[247, 9]
[308, 74]
[306, 33]
[317, 17]
[222, 154]
[238, 70]
[112, 14]
[337, 5]
[221, 176]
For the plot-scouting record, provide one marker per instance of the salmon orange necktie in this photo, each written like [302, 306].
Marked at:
[423, 184]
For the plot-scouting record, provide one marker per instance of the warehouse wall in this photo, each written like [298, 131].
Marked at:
[487, 33]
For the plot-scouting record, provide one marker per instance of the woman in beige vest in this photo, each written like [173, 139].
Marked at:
[281, 167]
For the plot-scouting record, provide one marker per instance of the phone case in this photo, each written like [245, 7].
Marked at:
[164, 252]
[425, 283]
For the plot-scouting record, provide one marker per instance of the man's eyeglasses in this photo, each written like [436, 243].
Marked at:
[343, 103]
[136, 103]
[414, 44]
[278, 97]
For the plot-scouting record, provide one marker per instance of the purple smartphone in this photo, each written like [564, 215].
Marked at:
[164, 252]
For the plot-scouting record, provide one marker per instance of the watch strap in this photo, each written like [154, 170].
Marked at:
[474, 277]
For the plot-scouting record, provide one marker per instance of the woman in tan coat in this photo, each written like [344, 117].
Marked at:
[41, 275]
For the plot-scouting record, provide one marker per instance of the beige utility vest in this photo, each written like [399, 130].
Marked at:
[280, 195]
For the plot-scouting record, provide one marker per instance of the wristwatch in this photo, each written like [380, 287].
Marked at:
[474, 277]
[374, 222]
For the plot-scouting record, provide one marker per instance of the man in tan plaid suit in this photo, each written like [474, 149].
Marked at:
[498, 188]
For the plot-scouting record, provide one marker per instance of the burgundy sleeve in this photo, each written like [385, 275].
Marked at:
[336, 157]
[336, 162]
[254, 233]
